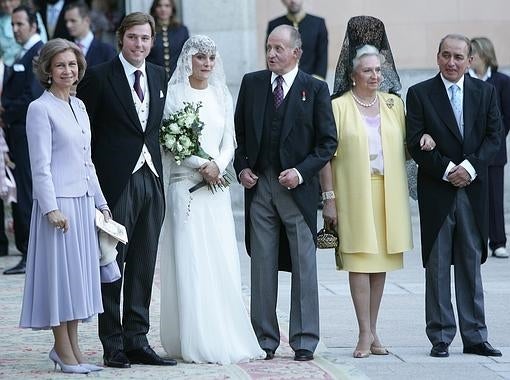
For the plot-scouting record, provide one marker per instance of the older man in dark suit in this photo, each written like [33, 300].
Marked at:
[461, 114]
[77, 17]
[285, 134]
[20, 88]
[125, 99]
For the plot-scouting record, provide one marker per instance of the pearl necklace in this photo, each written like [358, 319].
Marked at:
[361, 103]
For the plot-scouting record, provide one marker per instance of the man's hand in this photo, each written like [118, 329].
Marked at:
[248, 178]
[427, 142]
[459, 177]
[288, 178]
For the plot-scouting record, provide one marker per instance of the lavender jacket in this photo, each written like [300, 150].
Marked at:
[59, 149]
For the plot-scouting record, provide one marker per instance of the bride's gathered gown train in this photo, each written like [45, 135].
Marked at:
[203, 315]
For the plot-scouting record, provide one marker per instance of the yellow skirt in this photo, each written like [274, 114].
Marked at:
[373, 262]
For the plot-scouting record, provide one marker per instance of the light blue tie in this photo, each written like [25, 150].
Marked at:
[456, 101]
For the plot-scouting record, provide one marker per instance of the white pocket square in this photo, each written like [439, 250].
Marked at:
[18, 67]
[161, 94]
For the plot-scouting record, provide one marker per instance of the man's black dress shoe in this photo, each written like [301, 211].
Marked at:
[18, 269]
[146, 355]
[269, 354]
[116, 359]
[483, 349]
[439, 350]
[303, 355]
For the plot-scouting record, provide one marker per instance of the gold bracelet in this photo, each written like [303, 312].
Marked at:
[328, 195]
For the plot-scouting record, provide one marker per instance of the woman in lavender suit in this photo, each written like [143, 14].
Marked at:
[62, 283]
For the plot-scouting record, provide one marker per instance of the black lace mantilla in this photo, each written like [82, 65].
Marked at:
[363, 30]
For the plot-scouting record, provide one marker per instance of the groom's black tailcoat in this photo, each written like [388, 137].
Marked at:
[117, 136]
[117, 141]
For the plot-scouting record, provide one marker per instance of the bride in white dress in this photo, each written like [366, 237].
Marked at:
[203, 316]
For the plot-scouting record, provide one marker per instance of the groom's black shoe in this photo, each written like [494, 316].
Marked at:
[18, 268]
[269, 354]
[483, 349]
[440, 350]
[116, 359]
[146, 355]
[303, 355]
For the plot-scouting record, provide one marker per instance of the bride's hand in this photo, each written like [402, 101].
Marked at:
[210, 172]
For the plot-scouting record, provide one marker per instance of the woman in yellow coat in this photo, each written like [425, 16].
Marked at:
[366, 183]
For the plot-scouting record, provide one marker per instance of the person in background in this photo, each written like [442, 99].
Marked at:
[365, 186]
[314, 35]
[170, 35]
[77, 17]
[52, 12]
[62, 285]
[20, 88]
[9, 49]
[462, 116]
[484, 66]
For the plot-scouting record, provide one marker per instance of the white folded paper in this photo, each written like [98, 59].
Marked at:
[112, 228]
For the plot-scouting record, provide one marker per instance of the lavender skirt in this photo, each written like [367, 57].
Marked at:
[62, 280]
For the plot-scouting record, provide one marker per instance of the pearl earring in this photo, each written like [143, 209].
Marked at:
[49, 80]
[353, 84]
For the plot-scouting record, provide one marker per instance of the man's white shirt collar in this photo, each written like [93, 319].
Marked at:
[86, 41]
[129, 69]
[288, 80]
[448, 84]
[31, 42]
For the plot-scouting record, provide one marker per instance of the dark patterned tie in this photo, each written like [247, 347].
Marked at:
[136, 86]
[278, 92]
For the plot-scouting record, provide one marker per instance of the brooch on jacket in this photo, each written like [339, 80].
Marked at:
[390, 103]
[303, 96]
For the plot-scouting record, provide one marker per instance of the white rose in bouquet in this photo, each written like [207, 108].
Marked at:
[185, 141]
[174, 128]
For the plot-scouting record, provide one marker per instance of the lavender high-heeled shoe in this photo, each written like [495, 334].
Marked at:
[66, 368]
[91, 367]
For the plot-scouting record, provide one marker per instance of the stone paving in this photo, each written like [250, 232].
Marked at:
[401, 325]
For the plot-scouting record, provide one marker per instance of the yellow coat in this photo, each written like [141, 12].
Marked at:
[352, 176]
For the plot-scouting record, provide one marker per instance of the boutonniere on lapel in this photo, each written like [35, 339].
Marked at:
[303, 96]
[390, 103]
[82, 106]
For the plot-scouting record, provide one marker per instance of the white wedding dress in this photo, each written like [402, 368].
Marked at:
[203, 316]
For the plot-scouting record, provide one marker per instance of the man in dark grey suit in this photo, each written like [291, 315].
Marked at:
[19, 89]
[461, 115]
[125, 98]
[285, 133]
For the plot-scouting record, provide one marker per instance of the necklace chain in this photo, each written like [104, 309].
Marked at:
[363, 104]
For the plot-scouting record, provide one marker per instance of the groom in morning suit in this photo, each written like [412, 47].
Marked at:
[125, 99]
[285, 134]
[461, 114]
